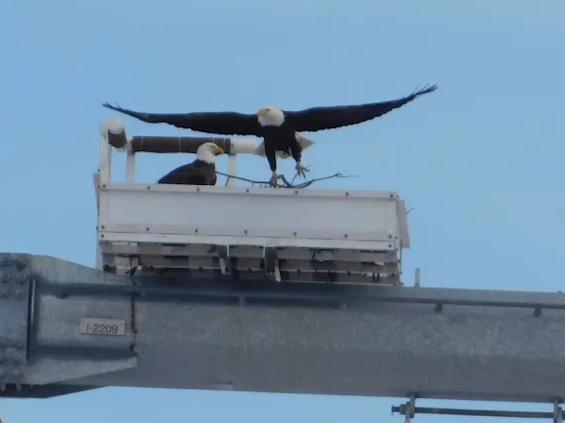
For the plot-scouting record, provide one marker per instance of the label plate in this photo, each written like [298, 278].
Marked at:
[107, 327]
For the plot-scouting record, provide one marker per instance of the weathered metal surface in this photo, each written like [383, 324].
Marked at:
[340, 344]
[41, 341]
[333, 339]
[15, 282]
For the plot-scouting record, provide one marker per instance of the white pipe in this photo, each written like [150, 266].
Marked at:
[130, 166]
[243, 146]
[232, 169]
[114, 126]
[105, 161]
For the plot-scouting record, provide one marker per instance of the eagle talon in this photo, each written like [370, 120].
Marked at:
[301, 170]
[274, 179]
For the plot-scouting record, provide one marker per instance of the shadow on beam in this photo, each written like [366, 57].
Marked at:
[41, 391]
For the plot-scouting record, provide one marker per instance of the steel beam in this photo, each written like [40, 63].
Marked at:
[263, 336]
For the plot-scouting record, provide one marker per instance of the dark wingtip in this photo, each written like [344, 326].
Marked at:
[426, 89]
[109, 106]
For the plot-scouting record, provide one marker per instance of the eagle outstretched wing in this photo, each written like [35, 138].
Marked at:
[318, 118]
[225, 123]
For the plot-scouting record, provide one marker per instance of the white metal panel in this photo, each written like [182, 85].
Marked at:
[248, 213]
[404, 234]
[252, 241]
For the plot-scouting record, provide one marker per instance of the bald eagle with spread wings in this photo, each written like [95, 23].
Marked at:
[278, 128]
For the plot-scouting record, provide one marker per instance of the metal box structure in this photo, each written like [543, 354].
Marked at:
[247, 232]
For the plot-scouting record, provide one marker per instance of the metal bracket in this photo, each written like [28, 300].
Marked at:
[557, 412]
[409, 410]
[223, 260]
[272, 268]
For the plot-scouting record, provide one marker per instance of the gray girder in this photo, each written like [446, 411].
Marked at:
[263, 336]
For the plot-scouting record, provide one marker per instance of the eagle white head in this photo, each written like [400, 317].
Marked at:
[270, 116]
[208, 151]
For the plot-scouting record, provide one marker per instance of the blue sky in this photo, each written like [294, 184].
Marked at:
[480, 161]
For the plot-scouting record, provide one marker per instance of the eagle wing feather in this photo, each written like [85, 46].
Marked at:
[224, 123]
[318, 118]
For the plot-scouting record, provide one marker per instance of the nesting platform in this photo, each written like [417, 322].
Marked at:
[296, 235]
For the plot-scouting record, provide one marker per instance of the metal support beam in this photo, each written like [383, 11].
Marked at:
[65, 324]
[409, 411]
[557, 412]
[474, 412]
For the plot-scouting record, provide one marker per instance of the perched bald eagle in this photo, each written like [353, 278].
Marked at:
[201, 171]
[277, 127]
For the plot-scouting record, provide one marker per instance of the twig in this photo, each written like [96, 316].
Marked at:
[285, 182]
[296, 175]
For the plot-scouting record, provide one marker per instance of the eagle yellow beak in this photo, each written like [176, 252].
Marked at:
[218, 150]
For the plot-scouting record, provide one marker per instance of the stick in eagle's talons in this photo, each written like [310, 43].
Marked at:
[285, 182]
